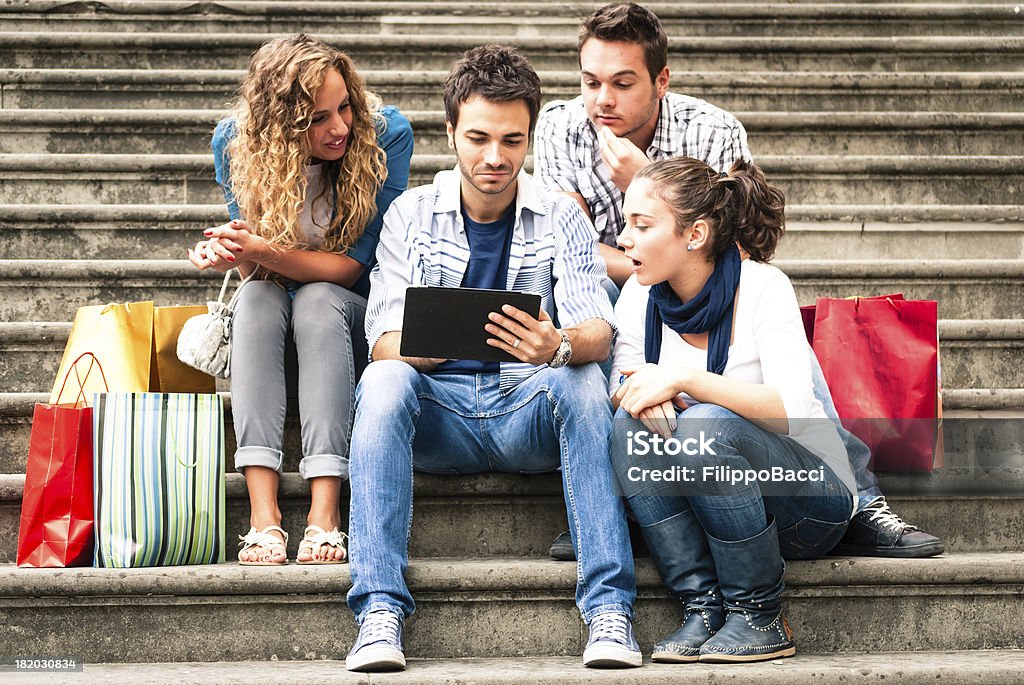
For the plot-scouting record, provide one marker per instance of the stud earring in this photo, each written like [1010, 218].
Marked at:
[689, 248]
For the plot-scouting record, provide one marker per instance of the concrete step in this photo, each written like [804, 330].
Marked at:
[786, 91]
[114, 49]
[992, 667]
[827, 179]
[869, 238]
[984, 436]
[795, 133]
[982, 354]
[494, 515]
[485, 608]
[30, 231]
[975, 354]
[514, 19]
[51, 290]
[490, 515]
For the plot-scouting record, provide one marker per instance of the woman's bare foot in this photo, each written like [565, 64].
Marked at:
[266, 553]
[324, 513]
[262, 484]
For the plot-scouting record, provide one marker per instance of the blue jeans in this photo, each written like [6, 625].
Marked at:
[462, 424]
[811, 517]
[859, 454]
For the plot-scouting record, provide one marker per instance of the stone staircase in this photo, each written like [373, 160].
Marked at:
[897, 131]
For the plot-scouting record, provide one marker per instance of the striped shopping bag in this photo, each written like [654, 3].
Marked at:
[158, 479]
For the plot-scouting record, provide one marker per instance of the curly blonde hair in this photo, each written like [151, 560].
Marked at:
[270, 150]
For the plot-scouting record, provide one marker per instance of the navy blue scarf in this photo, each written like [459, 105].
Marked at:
[710, 310]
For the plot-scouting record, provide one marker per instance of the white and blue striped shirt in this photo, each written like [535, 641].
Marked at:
[553, 254]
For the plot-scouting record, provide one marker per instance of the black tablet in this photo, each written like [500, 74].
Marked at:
[448, 323]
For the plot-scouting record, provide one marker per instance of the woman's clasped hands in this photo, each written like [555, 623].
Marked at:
[228, 246]
[651, 394]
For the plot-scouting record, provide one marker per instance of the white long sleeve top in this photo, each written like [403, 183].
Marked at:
[769, 347]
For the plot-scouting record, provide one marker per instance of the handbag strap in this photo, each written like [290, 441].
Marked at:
[234, 295]
[81, 381]
[224, 286]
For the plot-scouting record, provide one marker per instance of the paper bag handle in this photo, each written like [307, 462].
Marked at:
[177, 458]
[857, 300]
[81, 381]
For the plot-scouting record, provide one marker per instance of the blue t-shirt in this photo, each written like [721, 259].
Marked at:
[394, 135]
[489, 247]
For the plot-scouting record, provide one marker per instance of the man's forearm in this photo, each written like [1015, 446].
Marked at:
[591, 341]
[388, 347]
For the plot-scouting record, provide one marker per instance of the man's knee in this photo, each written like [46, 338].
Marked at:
[387, 386]
[579, 389]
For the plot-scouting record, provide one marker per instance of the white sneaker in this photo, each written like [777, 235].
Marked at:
[612, 643]
[379, 645]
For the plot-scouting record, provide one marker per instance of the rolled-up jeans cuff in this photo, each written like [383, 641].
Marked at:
[380, 606]
[320, 465]
[258, 456]
[864, 500]
[593, 613]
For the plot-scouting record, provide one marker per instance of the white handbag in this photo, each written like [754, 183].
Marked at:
[205, 340]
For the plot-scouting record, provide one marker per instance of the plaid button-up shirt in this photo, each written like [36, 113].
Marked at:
[568, 155]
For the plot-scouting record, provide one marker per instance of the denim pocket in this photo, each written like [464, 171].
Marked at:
[537, 472]
[810, 538]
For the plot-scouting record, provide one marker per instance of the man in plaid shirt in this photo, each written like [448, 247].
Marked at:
[625, 118]
[591, 146]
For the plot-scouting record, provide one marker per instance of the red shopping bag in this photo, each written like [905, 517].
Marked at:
[807, 313]
[880, 359]
[56, 527]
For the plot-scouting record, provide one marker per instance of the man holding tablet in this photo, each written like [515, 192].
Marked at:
[488, 225]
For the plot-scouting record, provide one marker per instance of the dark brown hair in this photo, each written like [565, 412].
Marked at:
[739, 207]
[494, 72]
[627, 22]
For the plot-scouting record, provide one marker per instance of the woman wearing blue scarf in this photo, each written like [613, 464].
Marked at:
[727, 460]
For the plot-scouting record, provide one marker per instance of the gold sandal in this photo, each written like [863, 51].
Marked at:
[315, 536]
[270, 543]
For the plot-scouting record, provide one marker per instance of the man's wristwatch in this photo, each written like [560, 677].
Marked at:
[563, 354]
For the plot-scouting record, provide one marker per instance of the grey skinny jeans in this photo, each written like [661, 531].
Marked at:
[326, 322]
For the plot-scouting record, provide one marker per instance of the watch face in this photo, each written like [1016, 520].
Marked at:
[563, 353]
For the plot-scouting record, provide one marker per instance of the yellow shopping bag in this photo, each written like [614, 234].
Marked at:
[134, 343]
[166, 373]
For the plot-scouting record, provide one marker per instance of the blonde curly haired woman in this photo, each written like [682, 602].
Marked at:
[309, 162]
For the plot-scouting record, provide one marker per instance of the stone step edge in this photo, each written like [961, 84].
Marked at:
[970, 330]
[990, 569]
[830, 165]
[503, 487]
[992, 667]
[665, 11]
[949, 329]
[734, 45]
[494, 486]
[753, 121]
[836, 80]
[997, 403]
[868, 218]
[182, 272]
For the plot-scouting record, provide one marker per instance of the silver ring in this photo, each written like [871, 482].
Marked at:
[516, 343]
